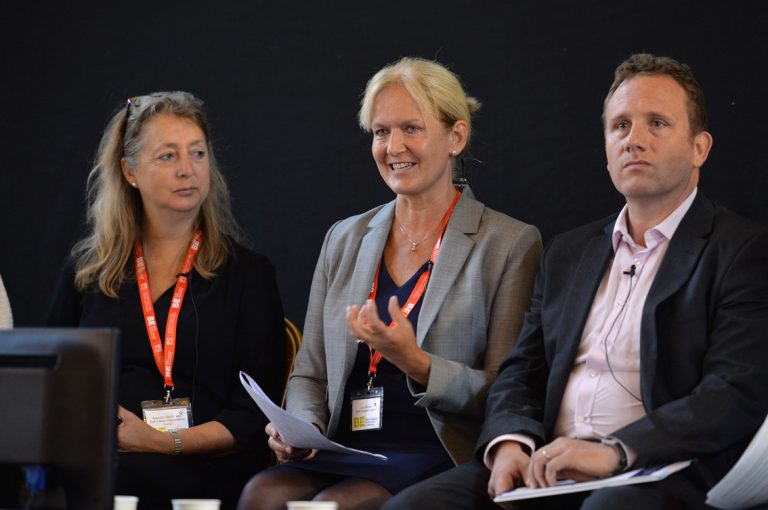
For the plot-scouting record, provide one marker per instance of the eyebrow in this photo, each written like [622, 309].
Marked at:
[172, 145]
[414, 120]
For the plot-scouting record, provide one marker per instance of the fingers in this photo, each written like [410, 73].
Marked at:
[271, 430]
[568, 458]
[393, 306]
[510, 462]
[369, 316]
[542, 470]
[364, 323]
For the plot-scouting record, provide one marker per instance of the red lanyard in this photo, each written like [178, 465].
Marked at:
[164, 356]
[416, 293]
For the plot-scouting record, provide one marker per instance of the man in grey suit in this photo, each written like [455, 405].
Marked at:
[645, 341]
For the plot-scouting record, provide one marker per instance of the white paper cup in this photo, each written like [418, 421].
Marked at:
[196, 504]
[126, 502]
[312, 505]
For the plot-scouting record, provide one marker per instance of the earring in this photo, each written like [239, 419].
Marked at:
[133, 184]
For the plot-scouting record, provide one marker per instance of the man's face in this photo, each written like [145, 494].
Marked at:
[652, 155]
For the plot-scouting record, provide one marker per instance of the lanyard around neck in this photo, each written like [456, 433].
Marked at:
[418, 289]
[164, 355]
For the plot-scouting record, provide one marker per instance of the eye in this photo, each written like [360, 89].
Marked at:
[410, 129]
[622, 125]
[378, 133]
[167, 156]
[198, 155]
[657, 123]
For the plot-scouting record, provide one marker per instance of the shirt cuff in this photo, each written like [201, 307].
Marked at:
[520, 438]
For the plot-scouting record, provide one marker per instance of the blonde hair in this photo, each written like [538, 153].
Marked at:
[115, 208]
[435, 89]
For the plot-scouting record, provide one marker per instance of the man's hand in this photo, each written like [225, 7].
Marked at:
[509, 465]
[570, 458]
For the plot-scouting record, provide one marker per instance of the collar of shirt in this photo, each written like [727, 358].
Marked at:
[654, 235]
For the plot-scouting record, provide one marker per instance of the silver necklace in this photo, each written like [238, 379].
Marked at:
[414, 244]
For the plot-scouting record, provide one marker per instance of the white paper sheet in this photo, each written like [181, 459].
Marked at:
[568, 486]
[746, 484]
[294, 431]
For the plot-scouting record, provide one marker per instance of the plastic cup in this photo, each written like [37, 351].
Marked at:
[312, 505]
[126, 502]
[196, 504]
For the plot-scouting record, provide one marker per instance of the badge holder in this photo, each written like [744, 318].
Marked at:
[168, 414]
[368, 408]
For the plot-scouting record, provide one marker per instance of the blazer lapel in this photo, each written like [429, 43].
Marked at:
[580, 294]
[454, 251]
[675, 270]
[368, 257]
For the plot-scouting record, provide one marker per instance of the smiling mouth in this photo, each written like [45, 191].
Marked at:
[401, 166]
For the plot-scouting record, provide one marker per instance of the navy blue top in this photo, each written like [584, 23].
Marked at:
[407, 437]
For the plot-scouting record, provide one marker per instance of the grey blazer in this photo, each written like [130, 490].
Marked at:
[470, 317]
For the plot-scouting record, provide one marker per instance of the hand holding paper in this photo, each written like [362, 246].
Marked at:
[294, 431]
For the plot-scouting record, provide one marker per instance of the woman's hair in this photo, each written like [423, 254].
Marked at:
[435, 89]
[115, 208]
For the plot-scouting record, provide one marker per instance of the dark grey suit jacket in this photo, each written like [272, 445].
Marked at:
[470, 316]
[703, 345]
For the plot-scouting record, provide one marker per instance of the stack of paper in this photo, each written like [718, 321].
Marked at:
[652, 474]
[746, 484]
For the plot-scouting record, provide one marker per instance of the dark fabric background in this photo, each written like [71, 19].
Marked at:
[282, 82]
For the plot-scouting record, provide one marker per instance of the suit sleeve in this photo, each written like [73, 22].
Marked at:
[729, 402]
[307, 391]
[456, 387]
[516, 399]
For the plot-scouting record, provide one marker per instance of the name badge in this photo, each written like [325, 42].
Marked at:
[367, 409]
[175, 415]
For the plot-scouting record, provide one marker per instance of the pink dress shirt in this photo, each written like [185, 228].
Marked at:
[603, 390]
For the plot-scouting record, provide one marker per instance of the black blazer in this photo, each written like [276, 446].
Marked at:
[703, 345]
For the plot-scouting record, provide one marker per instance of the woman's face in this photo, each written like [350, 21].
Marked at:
[412, 149]
[173, 171]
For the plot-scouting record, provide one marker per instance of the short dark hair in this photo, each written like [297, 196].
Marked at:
[653, 65]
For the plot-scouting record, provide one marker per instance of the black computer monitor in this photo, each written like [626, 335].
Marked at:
[58, 408]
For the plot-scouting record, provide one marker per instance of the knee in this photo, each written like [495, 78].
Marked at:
[255, 495]
[407, 499]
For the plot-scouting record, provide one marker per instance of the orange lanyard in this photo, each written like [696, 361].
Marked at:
[164, 356]
[416, 293]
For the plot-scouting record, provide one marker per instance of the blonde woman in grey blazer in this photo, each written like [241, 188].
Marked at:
[439, 361]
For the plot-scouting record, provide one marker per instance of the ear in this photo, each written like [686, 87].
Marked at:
[702, 143]
[127, 172]
[458, 136]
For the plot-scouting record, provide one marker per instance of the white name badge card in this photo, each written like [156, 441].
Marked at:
[367, 409]
[173, 416]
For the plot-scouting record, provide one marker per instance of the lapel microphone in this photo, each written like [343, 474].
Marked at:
[630, 271]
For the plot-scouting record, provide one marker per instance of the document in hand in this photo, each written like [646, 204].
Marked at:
[294, 431]
[651, 474]
[746, 484]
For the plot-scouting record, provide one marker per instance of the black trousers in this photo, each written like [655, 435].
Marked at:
[466, 487]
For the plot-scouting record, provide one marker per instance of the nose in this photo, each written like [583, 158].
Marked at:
[184, 167]
[395, 144]
[636, 138]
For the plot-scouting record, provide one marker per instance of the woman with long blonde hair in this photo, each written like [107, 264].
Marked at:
[163, 262]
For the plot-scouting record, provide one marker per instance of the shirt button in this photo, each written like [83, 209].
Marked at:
[581, 419]
[592, 373]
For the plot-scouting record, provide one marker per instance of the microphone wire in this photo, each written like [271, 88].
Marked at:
[621, 314]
